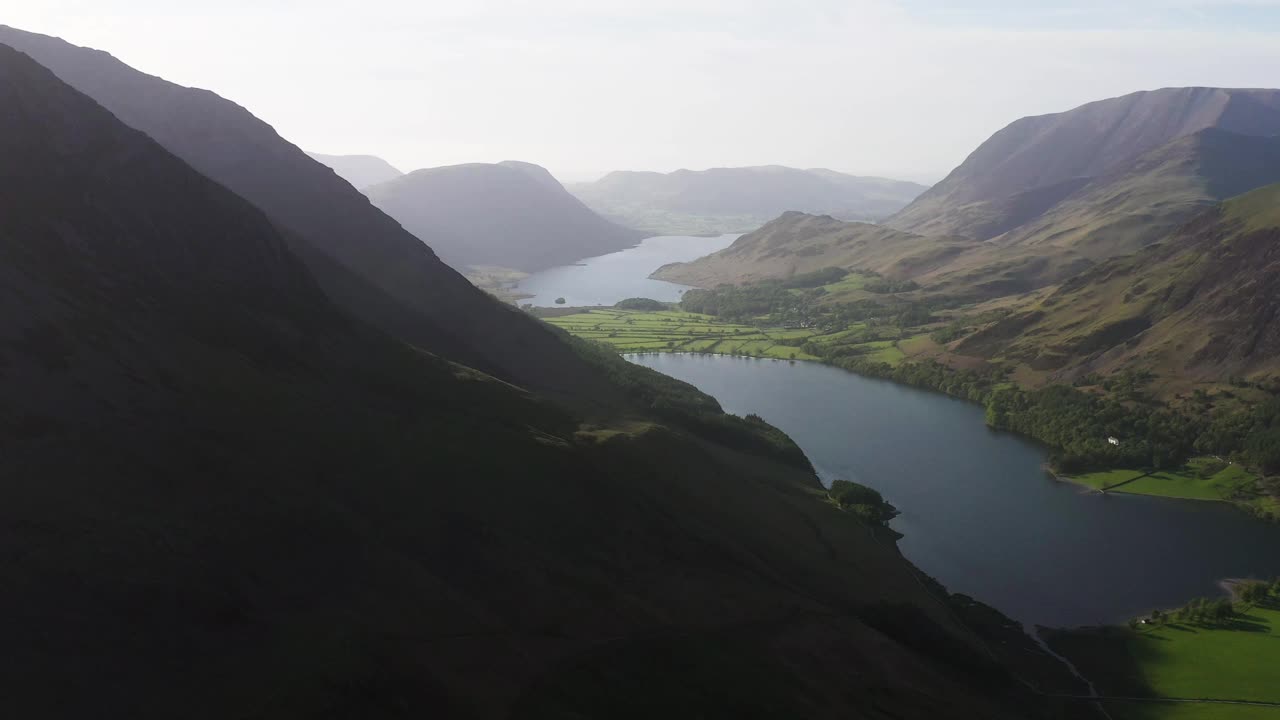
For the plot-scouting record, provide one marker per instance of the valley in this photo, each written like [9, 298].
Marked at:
[291, 434]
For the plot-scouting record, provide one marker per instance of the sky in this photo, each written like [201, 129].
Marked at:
[899, 88]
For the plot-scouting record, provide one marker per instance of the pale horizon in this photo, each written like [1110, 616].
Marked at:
[904, 90]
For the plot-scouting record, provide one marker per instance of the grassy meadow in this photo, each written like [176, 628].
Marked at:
[1203, 478]
[678, 331]
[1234, 660]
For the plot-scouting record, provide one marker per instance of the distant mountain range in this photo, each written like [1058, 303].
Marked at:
[739, 199]
[264, 454]
[1132, 233]
[511, 215]
[1050, 196]
[359, 170]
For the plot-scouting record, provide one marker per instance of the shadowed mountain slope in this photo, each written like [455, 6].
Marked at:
[222, 497]
[1049, 156]
[511, 215]
[364, 261]
[1201, 304]
[1141, 202]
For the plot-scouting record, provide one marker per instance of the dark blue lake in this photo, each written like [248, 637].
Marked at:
[979, 513]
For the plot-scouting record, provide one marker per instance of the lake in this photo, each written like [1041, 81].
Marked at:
[606, 279]
[979, 513]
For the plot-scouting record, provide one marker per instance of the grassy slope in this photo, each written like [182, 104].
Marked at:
[1184, 483]
[1196, 307]
[796, 243]
[1234, 661]
[677, 331]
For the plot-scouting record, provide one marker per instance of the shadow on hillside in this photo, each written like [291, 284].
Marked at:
[1104, 655]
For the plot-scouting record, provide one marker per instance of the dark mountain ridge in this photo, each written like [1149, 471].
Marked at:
[369, 265]
[223, 497]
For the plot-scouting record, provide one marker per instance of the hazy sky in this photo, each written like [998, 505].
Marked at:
[903, 88]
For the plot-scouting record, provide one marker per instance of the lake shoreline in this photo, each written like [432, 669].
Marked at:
[967, 500]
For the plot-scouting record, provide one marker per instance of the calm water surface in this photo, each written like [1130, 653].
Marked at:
[606, 279]
[978, 511]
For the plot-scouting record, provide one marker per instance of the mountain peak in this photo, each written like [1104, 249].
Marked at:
[1032, 164]
[511, 214]
[361, 171]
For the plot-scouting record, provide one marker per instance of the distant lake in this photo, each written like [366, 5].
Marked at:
[978, 511]
[606, 279]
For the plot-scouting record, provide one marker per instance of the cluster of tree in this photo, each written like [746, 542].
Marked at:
[1252, 435]
[867, 503]
[639, 303]
[1078, 424]
[1214, 610]
[973, 385]
[885, 286]
[1259, 592]
[745, 302]
[1200, 610]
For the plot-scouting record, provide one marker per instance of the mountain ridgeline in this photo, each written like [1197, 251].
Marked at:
[359, 170]
[510, 215]
[739, 199]
[370, 266]
[1024, 169]
[251, 468]
[1047, 197]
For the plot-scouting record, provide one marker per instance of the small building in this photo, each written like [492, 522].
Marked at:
[1113, 440]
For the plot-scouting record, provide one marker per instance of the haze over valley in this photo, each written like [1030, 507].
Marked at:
[396, 426]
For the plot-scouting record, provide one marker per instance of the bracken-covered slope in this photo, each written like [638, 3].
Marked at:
[1139, 203]
[1202, 304]
[797, 243]
[222, 497]
[738, 199]
[359, 170]
[511, 215]
[364, 261]
[1029, 166]
[1042, 236]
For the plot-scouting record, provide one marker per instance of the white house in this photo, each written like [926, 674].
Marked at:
[1113, 440]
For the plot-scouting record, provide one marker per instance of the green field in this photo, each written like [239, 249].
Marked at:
[1239, 661]
[677, 331]
[1235, 660]
[1203, 478]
